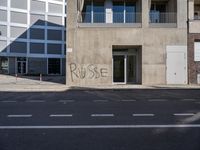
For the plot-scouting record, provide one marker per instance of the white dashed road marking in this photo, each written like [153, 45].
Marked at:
[184, 114]
[35, 101]
[128, 100]
[66, 101]
[61, 115]
[19, 116]
[8, 101]
[188, 100]
[100, 100]
[157, 100]
[102, 115]
[143, 115]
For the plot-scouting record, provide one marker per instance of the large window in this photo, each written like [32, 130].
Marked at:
[124, 12]
[98, 12]
[54, 66]
[93, 12]
[3, 65]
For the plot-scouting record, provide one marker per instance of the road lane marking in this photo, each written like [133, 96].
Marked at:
[35, 101]
[143, 115]
[61, 115]
[100, 100]
[157, 100]
[103, 126]
[189, 99]
[102, 115]
[66, 101]
[8, 101]
[19, 116]
[128, 100]
[184, 114]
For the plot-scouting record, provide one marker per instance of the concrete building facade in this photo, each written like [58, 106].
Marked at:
[194, 41]
[32, 37]
[126, 42]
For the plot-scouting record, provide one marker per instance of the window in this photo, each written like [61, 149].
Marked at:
[124, 12]
[98, 12]
[118, 12]
[54, 49]
[17, 17]
[55, 35]
[3, 46]
[197, 51]
[37, 48]
[37, 34]
[18, 47]
[54, 21]
[18, 32]
[55, 8]
[3, 31]
[3, 65]
[54, 66]
[3, 3]
[3, 15]
[21, 4]
[86, 14]
[37, 6]
[37, 19]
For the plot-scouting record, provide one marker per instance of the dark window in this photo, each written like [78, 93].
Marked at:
[86, 14]
[118, 12]
[99, 12]
[130, 12]
[54, 66]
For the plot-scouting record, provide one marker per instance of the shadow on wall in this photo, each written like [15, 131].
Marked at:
[40, 35]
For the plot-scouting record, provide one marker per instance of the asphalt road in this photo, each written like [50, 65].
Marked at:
[100, 120]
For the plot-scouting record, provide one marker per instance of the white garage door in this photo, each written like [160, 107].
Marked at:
[176, 65]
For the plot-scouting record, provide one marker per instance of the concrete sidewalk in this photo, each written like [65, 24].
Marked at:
[57, 83]
[62, 87]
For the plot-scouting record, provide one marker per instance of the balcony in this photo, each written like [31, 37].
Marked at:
[110, 19]
[167, 19]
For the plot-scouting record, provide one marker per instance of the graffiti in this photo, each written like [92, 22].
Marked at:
[90, 71]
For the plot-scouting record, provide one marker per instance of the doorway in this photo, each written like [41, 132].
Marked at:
[21, 65]
[125, 67]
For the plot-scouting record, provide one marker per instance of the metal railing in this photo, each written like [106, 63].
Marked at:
[157, 17]
[112, 17]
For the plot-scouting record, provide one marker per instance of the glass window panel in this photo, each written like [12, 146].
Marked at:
[55, 35]
[86, 14]
[21, 4]
[3, 15]
[3, 65]
[3, 31]
[118, 12]
[37, 19]
[98, 12]
[37, 6]
[17, 17]
[3, 3]
[54, 48]
[130, 12]
[18, 32]
[37, 34]
[3, 46]
[18, 47]
[37, 48]
[55, 8]
[54, 21]
[54, 66]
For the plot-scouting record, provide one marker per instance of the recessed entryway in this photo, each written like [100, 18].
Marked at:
[126, 65]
